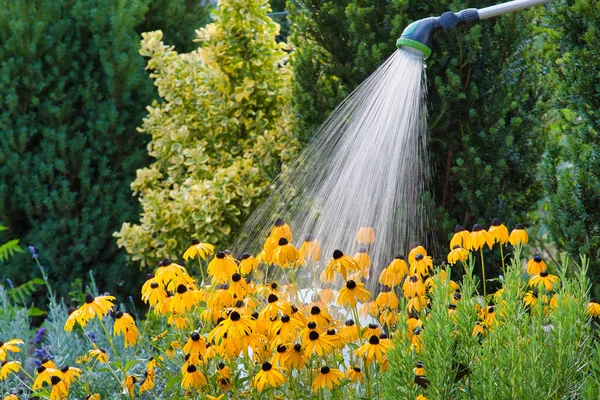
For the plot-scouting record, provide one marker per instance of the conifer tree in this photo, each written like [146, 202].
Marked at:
[220, 135]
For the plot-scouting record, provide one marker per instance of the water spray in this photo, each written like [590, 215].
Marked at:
[418, 34]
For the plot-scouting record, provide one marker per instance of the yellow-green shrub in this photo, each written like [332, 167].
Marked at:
[220, 134]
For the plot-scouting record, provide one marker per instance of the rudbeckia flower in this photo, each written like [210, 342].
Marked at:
[413, 286]
[342, 264]
[416, 249]
[488, 316]
[272, 308]
[9, 346]
[59, 389]
[320, 316]
[170, 274]
[238, 286]
[129, 385]
[421, 397]
[285, 255]
[281, 230]
[152, 292]
[460, 238]
[371, 330]
[365, 235]
[387, 299]
[518, 236]
[279, 356]
[393, 274]
[388, 317]
[247, 264]
[335, 339]
[352, 293]
[295, 357]
[531, 298]
[457, 254]
[9, 367]
[317, 343]
[329, 377]
[498, 232]
[416, 342]
[355, 375]
[536, 265]
[193, 378]
[195, 346]
[364, 262]
[349, 331]
[544, 278]
[198, 249]
[148, 382]
[310, 249]
[369, 308]
[283, 330]
[222, 267]
[125, 325]
[443, 277]
[593, 308]
[478, 238]
[235, 325]
[268, 376]
[69, 324]
[11, 396]
[416, 304]
[43, 375]
[421, 266]
[100, 354]
[94, 307]
[184, 300]
[68, 375]
[412, 324]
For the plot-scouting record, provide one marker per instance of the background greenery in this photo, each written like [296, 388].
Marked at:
[513, 116]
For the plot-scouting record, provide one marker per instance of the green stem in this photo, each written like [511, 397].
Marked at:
[109, 338]
[502, 256]
[368, 376]
[483, 280]
[201, 269]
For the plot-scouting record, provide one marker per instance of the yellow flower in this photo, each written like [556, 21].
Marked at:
[68, 375]
[268, 376]
[294, 357]
[352, 293]
[413, 286]
[364, 262]
[320, 316]
[416, 249]
[478, 238]
[518, 236]
[235, 325]
[536, 265]
[70, 323]
[238, 286]
[393, 274]
[100, 354]
[152, 292]
[371, 330]
[387, 299]
[593, 308]
[184, 300]
[416, 304]
[129, 385]
[278, 358]
[285, 255]
[195, 346]
[365, 235]
[11, 396]
[375, 348]
[94, 307]
[193, 378]
[59, 389]
[310, 249]
[9, 346]
[457, 254]
[354, 375]
[460, 238]
[43, 375]
[281, 230]
[247, 264]
[421, 265]
[498, 232]
[349, 331]
[421, 397]
[317, 343]
[222, 267]
[342, 264]
[412, 324]
[544, 278]
[125, 325]
[170, 274]
[329, 377]
[198, 249]
[148, 382]
[9, 367]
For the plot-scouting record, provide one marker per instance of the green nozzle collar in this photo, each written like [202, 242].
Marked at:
[415, 45]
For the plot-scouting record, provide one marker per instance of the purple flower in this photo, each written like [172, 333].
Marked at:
[38, 335]
[92, 336]
[33, 251]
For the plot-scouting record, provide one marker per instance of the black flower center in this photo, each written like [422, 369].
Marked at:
[312, 325]
[455, 247]
[309, 237]
[315, 310]
[337, 254]
[64, 369]
[154, 285]
[419, 257]
[519, 226]
[266, 366]
[236, 277]
[313, 335]
[281, 348]
[477, 228]
[41, 369]
[413, 279]
[55, 380]
[373, 326]
[399, 257]
[325, 370]
[89, 298]
[383, 336]
[283, 241]
[234, 316]
[285, 318]
[165, 262]
[349, 322]
[331, 332]
[279, 222]
[195, 336]
[191, 369]
[357, 369]
[181, 289]
[544, 274]
[220, 254]
[459, 228]
[351, 284]
[272, 298]
[245, 256]
[452, 307]
[297, 347]
[496, 222]
[457, 296]
[119, 314]
[274, 285]
[374, 340]
[195, 242]
[362, 249]
[537, 258]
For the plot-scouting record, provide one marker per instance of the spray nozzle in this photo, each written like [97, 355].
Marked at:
[417, 35]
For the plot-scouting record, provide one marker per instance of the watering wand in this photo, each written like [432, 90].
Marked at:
[417, 34]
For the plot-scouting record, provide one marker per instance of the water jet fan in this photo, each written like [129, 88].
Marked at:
[418, 34]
